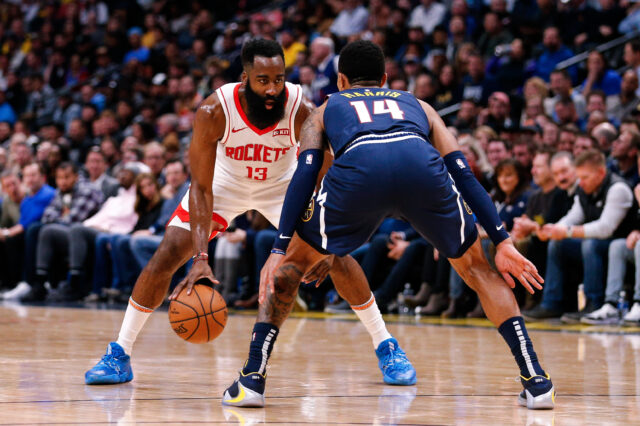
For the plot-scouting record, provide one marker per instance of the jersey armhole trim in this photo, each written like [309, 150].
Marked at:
[294, 112]
[227, 115]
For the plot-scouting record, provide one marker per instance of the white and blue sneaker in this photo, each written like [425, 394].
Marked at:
[113, 368]
[538, 393]
[394, 364]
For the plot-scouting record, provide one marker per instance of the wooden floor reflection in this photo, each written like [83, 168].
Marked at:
[322, 371]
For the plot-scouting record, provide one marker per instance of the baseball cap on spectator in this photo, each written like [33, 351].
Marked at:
[134, 31]
[159, 79]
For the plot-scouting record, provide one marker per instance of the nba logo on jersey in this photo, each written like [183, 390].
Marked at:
[309, 159]
[460, 163]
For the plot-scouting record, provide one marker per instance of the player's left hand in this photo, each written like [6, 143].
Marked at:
[198, 271]
[510, 261]
[319, 271]
[267, 275]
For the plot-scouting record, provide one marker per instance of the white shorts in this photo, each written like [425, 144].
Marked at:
[231, 200]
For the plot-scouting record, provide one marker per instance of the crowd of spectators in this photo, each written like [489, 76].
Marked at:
[97, 101]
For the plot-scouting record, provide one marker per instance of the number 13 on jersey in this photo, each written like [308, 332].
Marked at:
[387, 106]
[257, 173]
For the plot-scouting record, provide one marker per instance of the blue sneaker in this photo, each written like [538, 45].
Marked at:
[538, 393]
[246, 391]
[394, 364]
[113, 368]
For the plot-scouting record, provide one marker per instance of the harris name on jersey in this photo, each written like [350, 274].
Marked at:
[367, 92]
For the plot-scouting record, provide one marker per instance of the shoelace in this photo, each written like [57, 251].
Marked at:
[394, 357]
[109, 361]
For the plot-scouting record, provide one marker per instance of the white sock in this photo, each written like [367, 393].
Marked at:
[369, 315]
[134, 319]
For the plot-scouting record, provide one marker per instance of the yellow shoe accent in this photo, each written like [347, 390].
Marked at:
[240, 397]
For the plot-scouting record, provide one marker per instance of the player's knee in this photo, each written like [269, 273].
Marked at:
[287, 277]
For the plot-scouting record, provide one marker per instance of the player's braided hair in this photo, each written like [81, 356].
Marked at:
[362, 61]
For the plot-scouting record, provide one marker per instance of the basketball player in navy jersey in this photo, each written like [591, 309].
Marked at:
[395, 156]
[235, 132]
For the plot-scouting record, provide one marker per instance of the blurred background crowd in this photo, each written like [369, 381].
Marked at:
[97, 101]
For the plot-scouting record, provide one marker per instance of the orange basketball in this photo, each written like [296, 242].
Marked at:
[199, 317]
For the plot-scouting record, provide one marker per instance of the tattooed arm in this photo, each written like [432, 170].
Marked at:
[310, 161]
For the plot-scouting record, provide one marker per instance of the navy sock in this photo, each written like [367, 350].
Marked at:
[262, 340]
[515, 334]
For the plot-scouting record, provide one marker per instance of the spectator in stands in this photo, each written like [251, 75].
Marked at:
[632, 58]
[116, 216]
[537, 211]
[604, 134]
[138, 52]
[497, 114]
[351, 20]
[467, 116]
[474, 85]
[74, 201]
[7, 114]
[565, 112]
[154, 159]
[41, 100]
[512, 191]
[96, 169]
[497, 151]
[116, 244]
[428, 14]
[621, 105]
[523, 151]
[494, 35]
[32, 207]
[552, 54]
[561, 86]
[583, 143]
[622, 251]
[599, 77]
[624, 157]
[567, 138]
[601, 211]
[325, 62]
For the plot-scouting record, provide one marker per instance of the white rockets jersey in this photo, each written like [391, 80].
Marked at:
[253, 157]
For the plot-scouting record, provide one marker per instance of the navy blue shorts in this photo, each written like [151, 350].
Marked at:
[371, 181]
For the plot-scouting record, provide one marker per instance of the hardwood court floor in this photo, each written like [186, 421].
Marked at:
[322, 371]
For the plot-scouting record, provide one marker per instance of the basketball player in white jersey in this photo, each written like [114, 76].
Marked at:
[243, 155]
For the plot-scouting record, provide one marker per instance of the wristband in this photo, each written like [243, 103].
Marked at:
[278, 251]
[200, 256]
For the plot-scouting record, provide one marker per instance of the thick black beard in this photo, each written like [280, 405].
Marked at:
[258, 114]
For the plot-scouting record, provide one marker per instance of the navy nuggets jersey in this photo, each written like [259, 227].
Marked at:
[357, 112]
[384, 166]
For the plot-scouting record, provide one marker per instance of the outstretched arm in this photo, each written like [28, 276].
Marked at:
[208, 129]
[312, 143]
[508, 259]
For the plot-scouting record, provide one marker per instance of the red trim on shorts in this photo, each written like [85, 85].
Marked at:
[183, 215]
[260, 132]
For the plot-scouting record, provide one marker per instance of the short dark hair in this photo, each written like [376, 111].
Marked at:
[67, 165]
[635, 45]
[549, 151]
[597, 92]
[591, 157]
[176, 161]
[563, 72]
[260, 47]
[362, 61]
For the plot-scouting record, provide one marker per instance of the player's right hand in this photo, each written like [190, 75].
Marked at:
[199, 270]
[267, 275]
[509, 262]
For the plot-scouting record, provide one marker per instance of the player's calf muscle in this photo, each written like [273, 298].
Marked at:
[279, 303]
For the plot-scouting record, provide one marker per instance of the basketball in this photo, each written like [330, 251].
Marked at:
[199, 317]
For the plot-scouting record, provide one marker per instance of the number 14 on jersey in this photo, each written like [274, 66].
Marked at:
[387, 106]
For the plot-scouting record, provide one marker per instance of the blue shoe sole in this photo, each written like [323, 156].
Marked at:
[401, 382]
[107, 380]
